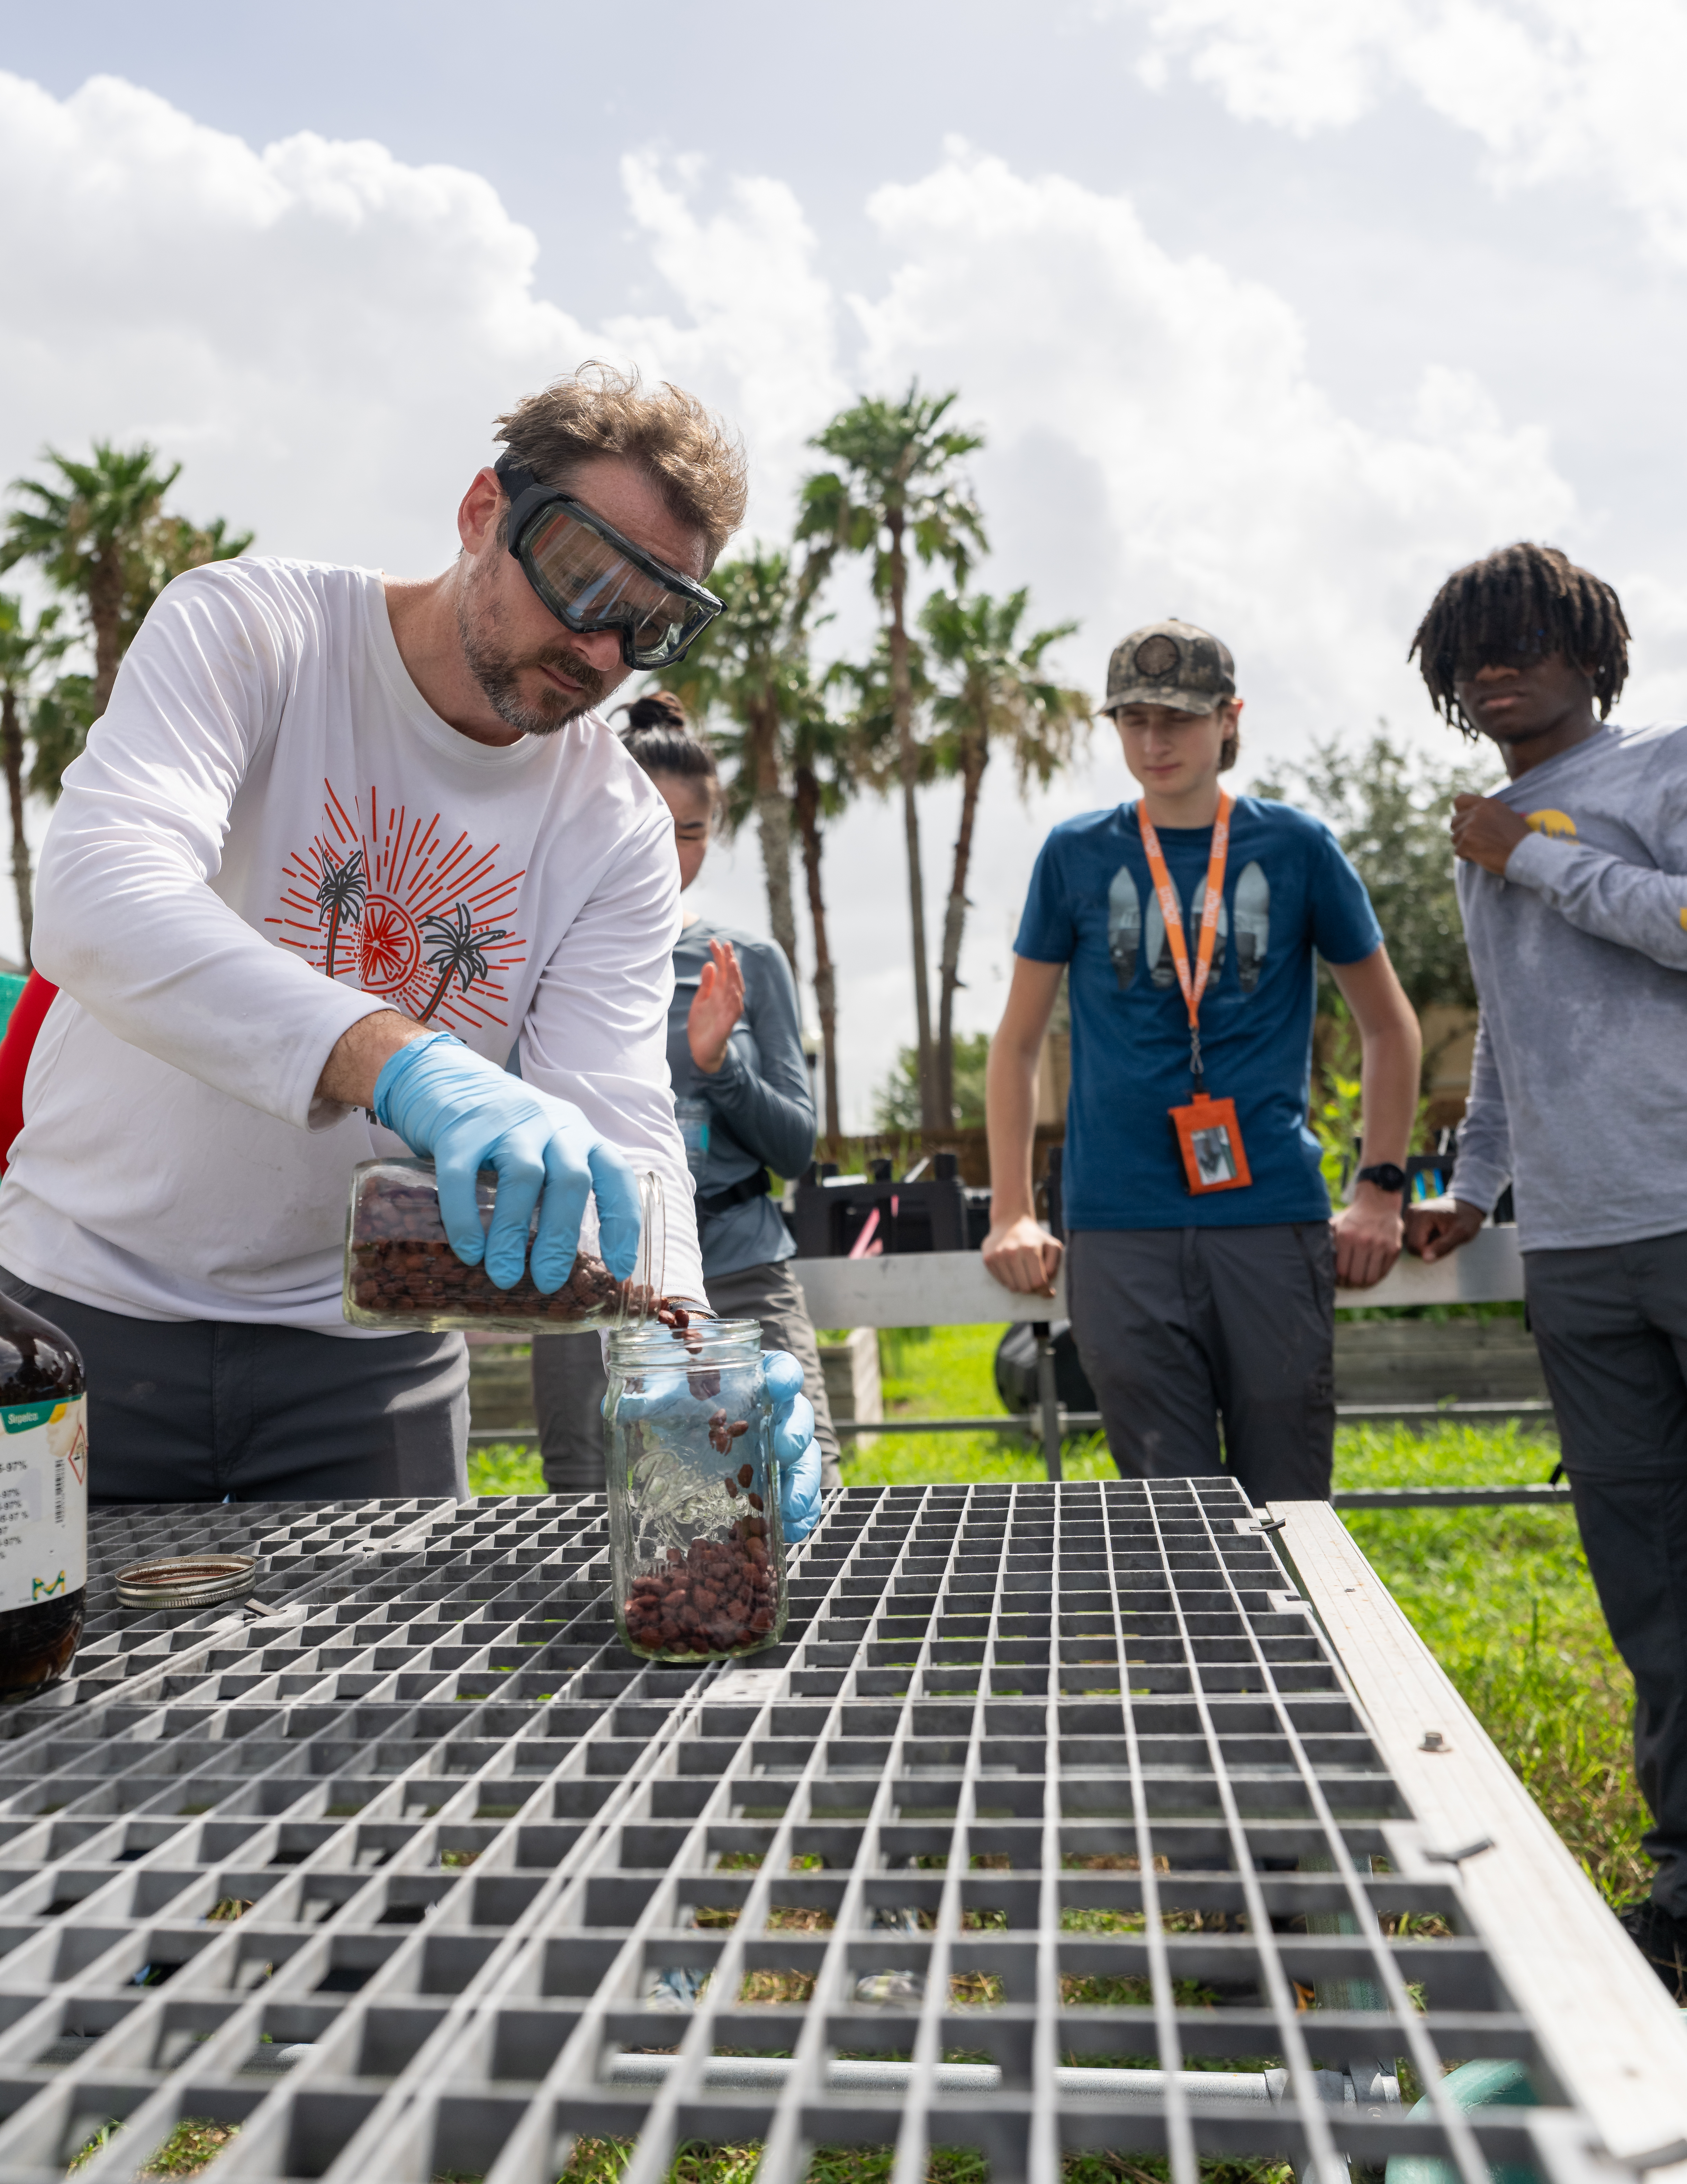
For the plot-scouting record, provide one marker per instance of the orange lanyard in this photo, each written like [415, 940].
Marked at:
[1170, 910]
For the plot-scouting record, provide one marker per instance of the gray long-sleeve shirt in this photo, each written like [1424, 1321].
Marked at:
[760, 1109]
[1580, 954]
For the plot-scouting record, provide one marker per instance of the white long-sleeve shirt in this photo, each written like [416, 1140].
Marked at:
[1580, 954]
[270, 835]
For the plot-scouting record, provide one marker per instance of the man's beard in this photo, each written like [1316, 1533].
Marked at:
[499, 674]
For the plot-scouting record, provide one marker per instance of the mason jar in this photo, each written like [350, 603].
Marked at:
[696, 1554]
[400, 1270]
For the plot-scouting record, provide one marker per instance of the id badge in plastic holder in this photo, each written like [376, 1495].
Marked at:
[1210, 1139]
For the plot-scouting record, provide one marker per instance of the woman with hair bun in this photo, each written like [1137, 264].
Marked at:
[742, 1097]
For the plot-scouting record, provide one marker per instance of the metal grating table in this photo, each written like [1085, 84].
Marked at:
[1055, 1823]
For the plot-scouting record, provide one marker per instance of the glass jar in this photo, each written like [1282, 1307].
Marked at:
[402, 1271]
[696, 1555]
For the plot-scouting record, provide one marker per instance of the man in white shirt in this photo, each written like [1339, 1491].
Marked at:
[339, 842]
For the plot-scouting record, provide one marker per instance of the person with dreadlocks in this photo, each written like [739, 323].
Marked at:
[1572, 881]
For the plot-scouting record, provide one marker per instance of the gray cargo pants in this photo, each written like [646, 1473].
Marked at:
[1611, 1325]
[1179, 1328]
[569, 1381]
[204, 1410]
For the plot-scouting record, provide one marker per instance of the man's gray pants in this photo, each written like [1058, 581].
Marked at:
[1178, 1329]
[1611, 1325]
[570, 1384]
[202, 1410]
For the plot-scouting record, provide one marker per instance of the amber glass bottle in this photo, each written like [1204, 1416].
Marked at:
[43, 1500]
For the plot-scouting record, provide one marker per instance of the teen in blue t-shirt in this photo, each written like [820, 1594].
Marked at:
[1190, 1303]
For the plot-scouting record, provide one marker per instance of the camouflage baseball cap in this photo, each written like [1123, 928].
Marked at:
[1170, 663]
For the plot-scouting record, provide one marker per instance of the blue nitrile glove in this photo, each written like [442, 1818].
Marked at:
[464, 1113]
[795, 1444]
[794, 1447]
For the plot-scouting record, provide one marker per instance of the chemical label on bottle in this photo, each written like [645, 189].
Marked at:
[43, 1500]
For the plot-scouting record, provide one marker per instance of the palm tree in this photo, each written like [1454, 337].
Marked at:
[342, 891]
[167, 547]
[752, 665]
[84, 533]
[996, 690]
[59, 728]
[456, 952]
[100, 535]
[894, 487]
[23, 653]
[822, 779]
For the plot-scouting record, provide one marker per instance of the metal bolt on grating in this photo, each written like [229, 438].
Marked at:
[1055, 1822]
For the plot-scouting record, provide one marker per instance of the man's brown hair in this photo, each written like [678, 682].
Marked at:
[686, 453]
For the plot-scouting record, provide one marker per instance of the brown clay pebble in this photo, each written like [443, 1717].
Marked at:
[745, 1475]
[732, 1486]
[738, 1428]
[755, 1501]
[403, 1269]
[716, 1596]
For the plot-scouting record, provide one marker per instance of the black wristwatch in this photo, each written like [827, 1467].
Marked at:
[1385, 1175]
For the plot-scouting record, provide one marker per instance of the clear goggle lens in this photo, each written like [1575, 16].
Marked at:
[590, 584]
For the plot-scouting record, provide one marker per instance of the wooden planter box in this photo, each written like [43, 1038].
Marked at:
[1417, 1361]
[854, 1389]
[501, 1384]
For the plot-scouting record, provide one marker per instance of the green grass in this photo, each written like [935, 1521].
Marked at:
[1503, 1599]
[502, 1467]
[946, 1372]
[601, 2161]
[1502, 1596]
[190, 2149]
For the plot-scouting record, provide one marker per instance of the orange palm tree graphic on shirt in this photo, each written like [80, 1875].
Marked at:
[456, 950]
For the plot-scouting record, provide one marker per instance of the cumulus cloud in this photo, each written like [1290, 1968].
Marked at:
[1167, 405]
[324, 334]
[759, 317]
[1555, 91]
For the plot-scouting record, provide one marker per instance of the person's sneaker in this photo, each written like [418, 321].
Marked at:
[1661, 1937]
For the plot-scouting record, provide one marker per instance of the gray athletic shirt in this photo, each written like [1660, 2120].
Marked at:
[760, 1111]
[1580, 954]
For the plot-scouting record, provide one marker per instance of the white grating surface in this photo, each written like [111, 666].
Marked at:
[1042, 1778]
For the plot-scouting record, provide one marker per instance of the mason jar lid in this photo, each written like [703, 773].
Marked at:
[186, 1580]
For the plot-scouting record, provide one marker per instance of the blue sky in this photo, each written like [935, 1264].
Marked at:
[1269, 316]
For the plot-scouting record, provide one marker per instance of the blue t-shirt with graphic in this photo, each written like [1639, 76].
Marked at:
[1288, 892]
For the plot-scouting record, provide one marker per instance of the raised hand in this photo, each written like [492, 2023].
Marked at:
[717, 1006]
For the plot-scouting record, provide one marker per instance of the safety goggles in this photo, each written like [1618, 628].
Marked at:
[592, 578]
